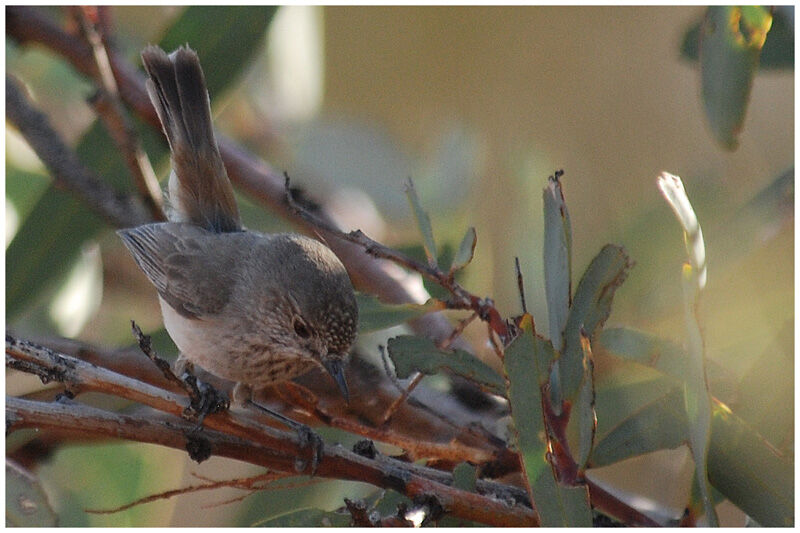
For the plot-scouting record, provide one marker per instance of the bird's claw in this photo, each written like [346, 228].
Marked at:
[307, 437]
[204, 398]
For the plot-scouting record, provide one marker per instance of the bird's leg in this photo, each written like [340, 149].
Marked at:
[205, 399]
[243, 395]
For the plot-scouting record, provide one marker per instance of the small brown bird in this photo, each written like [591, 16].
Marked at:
[247, 307]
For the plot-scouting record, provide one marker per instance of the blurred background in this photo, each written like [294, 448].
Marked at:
[479, 106]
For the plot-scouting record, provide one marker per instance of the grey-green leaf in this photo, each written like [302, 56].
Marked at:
[778, 51]
[638, 411]
[26, 501]
[374, 315]
[238, 33]
[417, 354]
[308, 518]
[644, 348]
[591, 306]
[526, 364]
[465, 250]
[749, 471]
[731, 39]
[585, 411]
[557, 260]
[465, 476]
[424, 224]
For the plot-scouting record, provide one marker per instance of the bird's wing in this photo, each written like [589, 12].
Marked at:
[193, 270]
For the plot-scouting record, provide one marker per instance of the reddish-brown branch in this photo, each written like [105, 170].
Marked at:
[251, 484]
[108, 106]
[337, 463]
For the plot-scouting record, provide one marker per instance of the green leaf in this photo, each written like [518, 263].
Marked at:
[584, 411]
[387, 502]
[778, 51]
[24, 188]
[638, 411]
[569, 504]
[26, 501]
[308, 518]
[465, 251]
[424, 224]
[526, 364]
[238, 32]
[47, 244]
[765, 394]
[730, 45]
[557, 260]
[465, 476]
[749, 471]
[645, 349]
[590, 308]
[417, 354]
[45, 248]
[374, 315]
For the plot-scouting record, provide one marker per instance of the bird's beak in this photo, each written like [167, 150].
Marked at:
[336, 370]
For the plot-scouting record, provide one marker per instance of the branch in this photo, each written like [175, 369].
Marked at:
[108, 106]
[64, 166]
[462, 299]
[415, 428]
[232, 435]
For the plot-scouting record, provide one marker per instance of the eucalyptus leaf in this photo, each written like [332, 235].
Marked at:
[731, 39]
[557, 260]
[465, 476]
[45, 247]
[640, 410]
[749, 471]
[417, 354]
[26, 500]
[569, 504]
[591, 306]
[584, 410]
[24, 188]
[374, 315]
[644, 348]
[465, 250]
[526, 365]
[224, 37]
[637, 416]
[308, 518]
[424, 224]
[778, 51]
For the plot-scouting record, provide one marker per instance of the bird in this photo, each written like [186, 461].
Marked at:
[252, 308]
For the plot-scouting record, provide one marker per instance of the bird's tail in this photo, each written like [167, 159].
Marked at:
[199, 189]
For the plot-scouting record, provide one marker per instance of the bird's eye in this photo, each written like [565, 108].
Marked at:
[301, 329]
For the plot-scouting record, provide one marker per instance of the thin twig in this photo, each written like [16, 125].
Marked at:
[146, 346]
[458, 330]
[239, 483]
[109, 107]
[400, 400]
[461, 298]
[64, 166]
